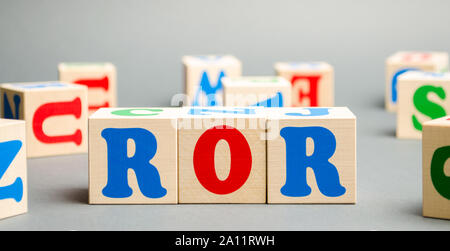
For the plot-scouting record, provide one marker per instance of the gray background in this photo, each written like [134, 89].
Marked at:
[146, 40]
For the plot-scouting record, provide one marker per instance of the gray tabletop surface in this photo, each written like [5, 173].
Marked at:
[146, 40]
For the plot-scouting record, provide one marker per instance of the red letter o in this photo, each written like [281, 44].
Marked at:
[240, 154]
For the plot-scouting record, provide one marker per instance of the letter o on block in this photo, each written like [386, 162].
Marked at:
[241, 160]
[222, 155]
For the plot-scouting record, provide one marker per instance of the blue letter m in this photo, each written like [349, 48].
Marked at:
[208, 90]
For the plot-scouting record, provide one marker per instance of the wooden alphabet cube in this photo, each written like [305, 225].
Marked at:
[436, 171]
[13, 168]
[312, 83]
[422, 96]
[405, 61]
[55, 114]
[133, 156]
[222, 155]
[99, 78]
[311, 155]
[256, 91]
[203, 76]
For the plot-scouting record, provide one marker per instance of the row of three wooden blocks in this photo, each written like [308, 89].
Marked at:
[222, 155]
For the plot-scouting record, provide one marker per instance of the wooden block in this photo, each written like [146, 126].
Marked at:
[55, 114]
[422, 96]
[406, 61]
[312, 83]
[436, 171]
[100, 78]
[203, 77]
[13, 168]
[133, 156]
[311, 155]
[256, 91]
[222, 155]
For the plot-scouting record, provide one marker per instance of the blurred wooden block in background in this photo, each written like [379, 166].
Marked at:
[99, 78]
[203, 77]
[312, 83]
[405, 61]
[422, 96]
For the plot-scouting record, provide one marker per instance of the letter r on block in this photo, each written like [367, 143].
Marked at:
[119, 163]
[297, 162]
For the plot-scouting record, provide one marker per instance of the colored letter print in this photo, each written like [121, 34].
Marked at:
[241, 160]
[297, 161]
[9, 151]
[312, 95]
[208, 89]
[427, 107]
[57, 109]
[119, 163]
[440, 180]
[101, 83]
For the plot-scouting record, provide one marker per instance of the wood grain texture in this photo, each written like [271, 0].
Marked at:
[425, 88]
[11, 130]
[342, 123]
[425, 61]
[212, 65]
[436, 134]
[102, 92]
[163, 125]
[295, 73]
[192, 127]
[248, 91]
[54, 124]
